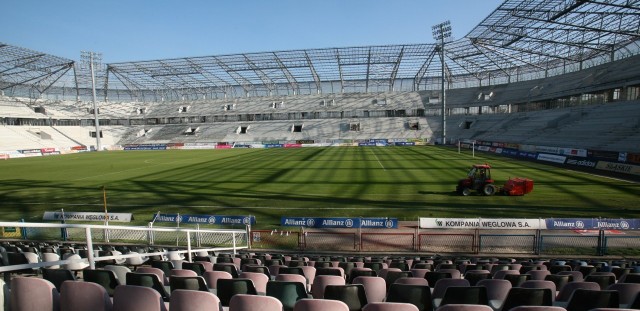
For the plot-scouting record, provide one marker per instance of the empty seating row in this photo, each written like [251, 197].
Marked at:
[239, 294]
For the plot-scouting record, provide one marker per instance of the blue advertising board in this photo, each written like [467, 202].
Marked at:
[205, 219]
[592, 223]
[404, 143]
[274, 146]
[340, 222]
[529, 155]
[510, 152]
[379, 223]
[380, 142]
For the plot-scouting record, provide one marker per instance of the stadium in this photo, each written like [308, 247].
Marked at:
[334, 159]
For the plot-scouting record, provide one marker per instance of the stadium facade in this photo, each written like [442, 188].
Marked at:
[551, 76]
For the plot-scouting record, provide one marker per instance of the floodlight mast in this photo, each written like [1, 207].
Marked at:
[93, 59]
[442, 33]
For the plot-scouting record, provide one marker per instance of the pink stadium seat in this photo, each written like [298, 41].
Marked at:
[29, 294]
[374, 286]
[321, 281]
[76, 295]
[320, 305]
[242, 302]
[191, 300]
[136, 298]
[389, 306]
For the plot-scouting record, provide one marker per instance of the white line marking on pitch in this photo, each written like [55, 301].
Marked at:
[374, 154]
[605, 177]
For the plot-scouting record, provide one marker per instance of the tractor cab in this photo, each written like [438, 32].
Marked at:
[480, 173]
[478, 179]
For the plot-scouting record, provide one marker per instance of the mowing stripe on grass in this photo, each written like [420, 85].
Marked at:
[212, 206]
[416, 182]
[374, 154]
[146, 161]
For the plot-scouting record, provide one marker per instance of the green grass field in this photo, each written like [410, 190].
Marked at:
[402, 182]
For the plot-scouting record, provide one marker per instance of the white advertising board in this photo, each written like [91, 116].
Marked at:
[87, 216]
[482, 223]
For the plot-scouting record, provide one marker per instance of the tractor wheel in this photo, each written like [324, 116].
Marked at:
[466, 191]
[489, 189]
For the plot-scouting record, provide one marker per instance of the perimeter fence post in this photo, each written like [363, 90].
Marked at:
[92, 261]
[150, 233]
[63, 231]
[198, 237]
[536, 249]
[359, 238]
[476, 241]
[233, 234]
[601, 247]
[249, 237]
[416, 238]
[604, 243]
[23, 231]
[106, 235]
[189, 245]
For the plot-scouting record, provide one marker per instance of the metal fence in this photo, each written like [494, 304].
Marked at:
[620, 245]
[186, 239]
[532, 242]
[507, 243]
[557, 243]
[338, 241]
[442, 241]
[397, 242]
[275, 239]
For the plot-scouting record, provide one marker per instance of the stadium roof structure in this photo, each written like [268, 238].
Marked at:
[19, 66]
[520, 40]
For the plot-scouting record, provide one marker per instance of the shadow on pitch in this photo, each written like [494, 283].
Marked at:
[447, 193]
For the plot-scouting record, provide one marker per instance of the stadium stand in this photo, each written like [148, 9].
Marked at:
[604, 127]
[582, 95]
[370, 289]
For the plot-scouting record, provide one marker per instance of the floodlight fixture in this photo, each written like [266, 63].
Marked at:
[93, 60]
[442, 33]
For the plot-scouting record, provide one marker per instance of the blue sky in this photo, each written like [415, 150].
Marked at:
[146, 29]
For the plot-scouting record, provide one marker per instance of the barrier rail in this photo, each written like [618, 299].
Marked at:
[443, 241]
[274, 239]
[619, 245]
[377, 241]
[507, 243]
[478, 241]
[447, 243]
[571, 244]
[339, 241]
[216, 240]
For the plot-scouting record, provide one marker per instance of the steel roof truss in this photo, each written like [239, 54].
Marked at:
[244, 83]
[423, 69]
[209, 76]
[266, 81]
[287, 74]
[314, 74]
[394, 71]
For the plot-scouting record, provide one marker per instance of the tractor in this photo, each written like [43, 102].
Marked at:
[479, 180]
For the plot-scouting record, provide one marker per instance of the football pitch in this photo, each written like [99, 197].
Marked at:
[402, 182]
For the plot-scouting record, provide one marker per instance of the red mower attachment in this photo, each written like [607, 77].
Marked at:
[517, 186]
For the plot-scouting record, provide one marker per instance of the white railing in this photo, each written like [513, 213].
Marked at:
[206, 240]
